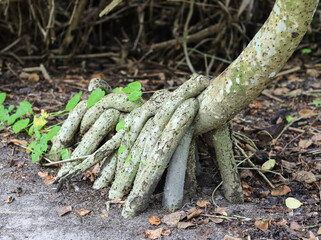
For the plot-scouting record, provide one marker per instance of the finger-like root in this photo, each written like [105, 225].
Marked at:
[68, 130]
[117, 101]
[126, 171]
[191, 169]
[149, 173]
[106, 172]
[90, 141]
[99, 83]
[175, 178]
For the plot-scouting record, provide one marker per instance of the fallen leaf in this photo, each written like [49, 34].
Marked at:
[217, 220]
[184, 225]
[104, 214]
[154, 220]
[194, 214]
[157, 233]
[82, 212]
[19, 142]
[295, 226]
[227, 237]
[292, 203]
[288, 165]
[319, 231]
[34, 77]
[246, 173]
[9, 199]
[43, 174]
[268, 165]
[304, 176]
[304, 112]
[281, 223]
[64, 210]
[49, 180]
[305, 143]
[281, 191]
[203, 203]
[247, 189]
[262, 224]
[313, 72]
[173, 218]
[204, 232]
[221, 210]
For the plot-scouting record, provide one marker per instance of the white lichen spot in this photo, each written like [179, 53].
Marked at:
[281, 27]
[228, 86]
[246, 83]
[237, 80]
[276, 9]
[272, 74]
[258, 46]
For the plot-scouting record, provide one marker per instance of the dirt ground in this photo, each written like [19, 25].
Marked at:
[29, 208]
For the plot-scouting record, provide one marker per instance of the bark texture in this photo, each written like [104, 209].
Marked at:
[257, 65]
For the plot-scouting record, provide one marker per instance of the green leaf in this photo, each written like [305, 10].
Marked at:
[292, 203]
[10, 108]
[268, 165]
[95, 96]
[306, 51]
[289, 118]
[4, 116]
[2, 97]
[135, 86]
[35, 156]
[317, 103]
[23, 108]
[121, 149]
[116, 90]
[31, 146]
[31, 130]
[73, 102]
[132, 87]
[21, 124]
[53, 132]
[65, 154]
[133, 96]
[128, 158]
[120, 125]
[12, 119]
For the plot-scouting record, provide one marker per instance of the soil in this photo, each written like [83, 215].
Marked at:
[30, 208]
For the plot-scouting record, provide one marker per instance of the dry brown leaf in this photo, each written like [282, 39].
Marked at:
[221, 210]
[217, 220]
[184, 225]
[304, 176]
[154, 220]
[194, 214]
[247, 189]
[203, 203]
[104, 214]
[227, 237]
[262, 224]
[20, 142]
[157, 233]
[319, 231]
[34, 77]
[204, 232]
[281, 223]
[304, 112]
[173, 218]
[9, 199]
[43, 174]
[64, 210]
[82, 212]
[49, 180]
[280, 91]
[246, 173]
[295, 226]
[280, 190]
[305, 143]
[313, 72]
[288, 165]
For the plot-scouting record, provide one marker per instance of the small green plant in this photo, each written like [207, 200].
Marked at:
[134, 90]
[317, 103]
[306, 50]
[95, 96]
[289, 118]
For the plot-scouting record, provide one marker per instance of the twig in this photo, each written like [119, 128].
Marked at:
[189, 16]
[265, 93]
[10, 45]
[63, 161]
[296, 120]
[109, 7]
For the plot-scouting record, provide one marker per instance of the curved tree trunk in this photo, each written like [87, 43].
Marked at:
[257, 65]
